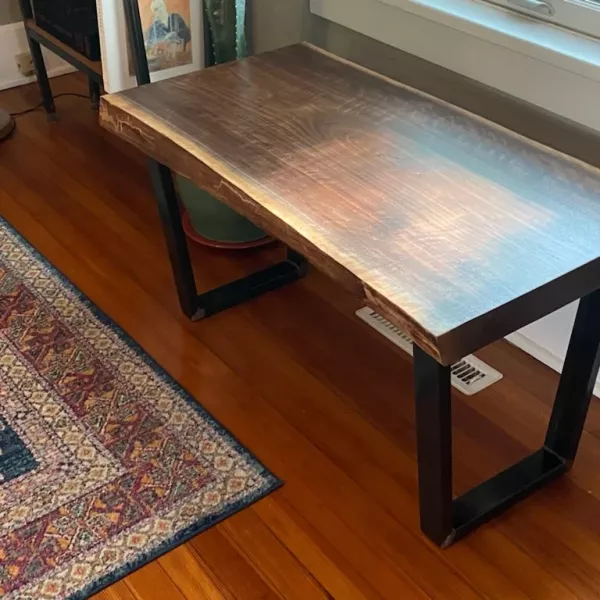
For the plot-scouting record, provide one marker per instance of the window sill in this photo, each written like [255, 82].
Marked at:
[563, 48]
[546, 65]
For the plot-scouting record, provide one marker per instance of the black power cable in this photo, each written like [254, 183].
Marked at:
[8, 122]
[32, 108]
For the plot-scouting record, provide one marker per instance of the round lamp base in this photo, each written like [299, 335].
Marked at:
[7, 124]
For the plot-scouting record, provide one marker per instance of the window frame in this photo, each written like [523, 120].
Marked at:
[512, 29]
[582, 16]
[541, 63]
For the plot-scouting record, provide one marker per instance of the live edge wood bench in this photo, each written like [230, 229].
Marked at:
[454, 229]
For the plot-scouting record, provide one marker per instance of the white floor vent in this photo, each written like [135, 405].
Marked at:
[470, 375]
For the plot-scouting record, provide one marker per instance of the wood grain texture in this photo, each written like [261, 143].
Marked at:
[455, 229]
[318, 396]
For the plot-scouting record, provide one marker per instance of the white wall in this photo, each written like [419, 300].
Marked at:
[547, 339]
[277, 23]
[13, 41]
[9, 11]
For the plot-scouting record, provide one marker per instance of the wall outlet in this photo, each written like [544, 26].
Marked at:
[25, 64]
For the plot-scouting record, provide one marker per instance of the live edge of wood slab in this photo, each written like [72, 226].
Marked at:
[453, 228]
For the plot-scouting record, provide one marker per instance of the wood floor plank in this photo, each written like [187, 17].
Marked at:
[152, 583]
[320, 398]
[275, 563]
[117, 591]
[580, 577]
[337, 572]
[231, 567]
[184, 566]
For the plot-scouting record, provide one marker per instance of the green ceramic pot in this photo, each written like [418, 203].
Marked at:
[211, 222]
[207, 220]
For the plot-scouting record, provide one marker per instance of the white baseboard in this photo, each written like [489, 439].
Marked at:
[525, 343]
[13, 41]
[22, 80]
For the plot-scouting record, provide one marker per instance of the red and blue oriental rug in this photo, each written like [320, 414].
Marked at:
[105, 461]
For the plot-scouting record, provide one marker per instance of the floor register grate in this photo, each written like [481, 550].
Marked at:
[469, 375]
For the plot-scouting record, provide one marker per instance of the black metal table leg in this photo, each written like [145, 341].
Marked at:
[42, 76]
[199, 306]
[444, 519]
[170, 216]
[38, 61]
[577, 381]
[434, 446]
[94, 87]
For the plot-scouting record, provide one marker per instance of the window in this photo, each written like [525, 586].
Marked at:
[532, 58]
[577, 15]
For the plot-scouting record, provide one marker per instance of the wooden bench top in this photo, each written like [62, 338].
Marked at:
[453, 228]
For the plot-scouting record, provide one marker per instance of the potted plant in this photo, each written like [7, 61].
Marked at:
[206, 219]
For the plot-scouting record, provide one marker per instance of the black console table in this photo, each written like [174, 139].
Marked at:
[37, 37]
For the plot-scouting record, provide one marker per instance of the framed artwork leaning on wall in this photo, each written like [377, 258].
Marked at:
[173, 38]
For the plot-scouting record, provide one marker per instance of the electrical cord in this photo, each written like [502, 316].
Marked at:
[33, 108]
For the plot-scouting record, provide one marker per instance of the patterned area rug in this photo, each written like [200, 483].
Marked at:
[105, 462]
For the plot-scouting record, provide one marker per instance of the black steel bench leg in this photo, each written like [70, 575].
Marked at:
[38, 62]
[199, 306]
[42, 76]
[179, 256]
[577, 381]
[94, 91]
[434, 446]
[445, 519]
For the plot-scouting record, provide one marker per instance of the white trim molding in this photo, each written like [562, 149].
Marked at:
[547, 339]
[13, 41]
[541, 63]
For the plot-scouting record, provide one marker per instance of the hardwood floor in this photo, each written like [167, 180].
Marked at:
[324, 401]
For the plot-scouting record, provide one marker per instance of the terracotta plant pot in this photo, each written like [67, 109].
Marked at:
[208, 221]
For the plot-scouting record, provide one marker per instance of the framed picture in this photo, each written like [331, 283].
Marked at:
[173, 38]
